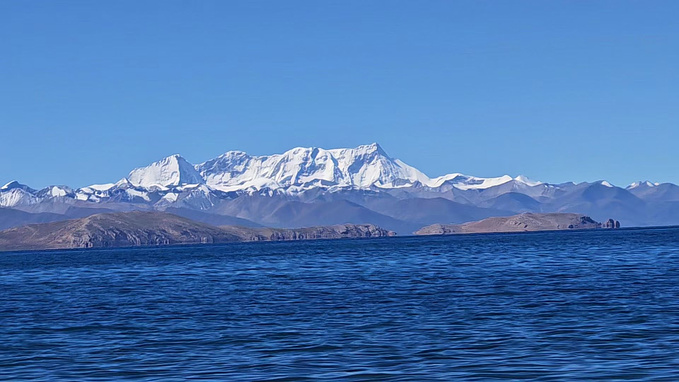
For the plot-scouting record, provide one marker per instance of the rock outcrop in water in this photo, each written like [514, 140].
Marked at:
[520, 223]
[610, 223]
[131, 229]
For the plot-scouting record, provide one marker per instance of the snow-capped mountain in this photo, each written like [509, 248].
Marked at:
[644, 183]
[358, 185]
[366, 167]
[169, 172]
[15, 194]
[301, 169]
[660, 192]
[296, 171]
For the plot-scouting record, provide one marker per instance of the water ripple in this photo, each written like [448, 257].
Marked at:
[548, 306]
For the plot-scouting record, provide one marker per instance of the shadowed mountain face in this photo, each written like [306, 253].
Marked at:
[665, 192]
[158, 228]
[211, 219]
[513, 201]
[518, 223]
[312, 186]
[10, 218]
[287, 212]
[431, 210]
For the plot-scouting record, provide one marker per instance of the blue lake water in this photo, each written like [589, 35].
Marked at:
[543, 306]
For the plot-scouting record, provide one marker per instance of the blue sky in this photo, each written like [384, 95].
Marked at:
[555, 90]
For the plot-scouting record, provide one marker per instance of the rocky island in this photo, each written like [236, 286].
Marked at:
[129, 229]
[526, 222]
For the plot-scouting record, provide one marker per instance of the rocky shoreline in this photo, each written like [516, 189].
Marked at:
[133, 229]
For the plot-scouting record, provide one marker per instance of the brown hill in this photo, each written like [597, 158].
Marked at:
[127, 229]
[518, 223]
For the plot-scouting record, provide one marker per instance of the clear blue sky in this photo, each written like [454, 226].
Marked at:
[555, 90]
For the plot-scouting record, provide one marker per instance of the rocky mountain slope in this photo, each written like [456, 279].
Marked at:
[314, 186]
[138, 228]
[519, 223]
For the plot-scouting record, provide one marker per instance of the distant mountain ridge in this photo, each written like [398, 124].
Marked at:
[360, 185]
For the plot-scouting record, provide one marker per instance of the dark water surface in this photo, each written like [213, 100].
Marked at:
[548, 306]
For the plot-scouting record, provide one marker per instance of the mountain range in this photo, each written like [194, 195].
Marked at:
[314, 187]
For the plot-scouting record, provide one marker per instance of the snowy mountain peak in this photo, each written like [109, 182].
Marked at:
[645, 183]
[10, 185]
[14, 194]
[168, 172]
[57, 191]
[303, 168]
[373, 148]
[527, 181]
[466, 182]
[101, 187]
[16, 185]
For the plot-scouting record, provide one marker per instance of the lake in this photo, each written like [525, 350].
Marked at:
[582, 305]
